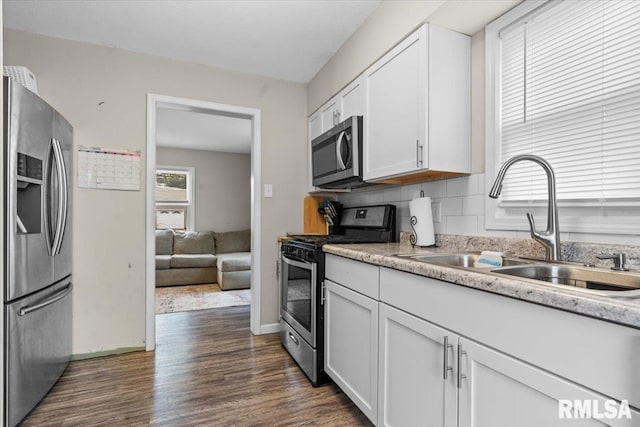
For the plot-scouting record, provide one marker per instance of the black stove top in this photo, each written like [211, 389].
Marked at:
[334, 238]
[367, 224]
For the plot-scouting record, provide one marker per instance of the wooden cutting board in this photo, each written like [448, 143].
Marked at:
[314, 223]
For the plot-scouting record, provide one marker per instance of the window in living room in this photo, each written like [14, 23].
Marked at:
[174, 198]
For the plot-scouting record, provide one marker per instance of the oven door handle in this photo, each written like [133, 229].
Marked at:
[302, 264]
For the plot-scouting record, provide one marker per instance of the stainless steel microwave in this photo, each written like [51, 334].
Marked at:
[337, 155]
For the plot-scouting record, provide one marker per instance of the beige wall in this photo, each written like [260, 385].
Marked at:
[222, 190]
[102, 92]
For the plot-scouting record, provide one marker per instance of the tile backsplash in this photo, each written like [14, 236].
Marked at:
[461, 204]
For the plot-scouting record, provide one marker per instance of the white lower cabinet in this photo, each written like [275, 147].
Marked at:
[351, 345]
[501, 391]
[416, 380]
[430, 376]
[423, 352]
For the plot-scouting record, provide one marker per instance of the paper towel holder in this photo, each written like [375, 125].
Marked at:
[413, 221]
[413, 238]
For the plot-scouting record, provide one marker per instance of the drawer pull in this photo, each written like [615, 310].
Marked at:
[294, 339]
[55, 298]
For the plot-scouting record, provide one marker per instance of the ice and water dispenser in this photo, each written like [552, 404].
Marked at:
[29, 194]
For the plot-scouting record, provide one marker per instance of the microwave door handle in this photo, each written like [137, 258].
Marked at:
[339, 151]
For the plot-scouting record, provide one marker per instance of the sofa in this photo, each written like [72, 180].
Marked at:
[197, 257]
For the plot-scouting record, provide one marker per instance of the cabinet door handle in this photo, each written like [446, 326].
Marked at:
[446, 368]
[461, 376]
[419, 153]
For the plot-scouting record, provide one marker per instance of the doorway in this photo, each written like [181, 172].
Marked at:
[155, 105]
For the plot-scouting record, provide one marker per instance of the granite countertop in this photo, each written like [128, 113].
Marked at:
[624, 311]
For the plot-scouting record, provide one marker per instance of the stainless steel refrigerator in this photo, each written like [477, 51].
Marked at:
[37, 264]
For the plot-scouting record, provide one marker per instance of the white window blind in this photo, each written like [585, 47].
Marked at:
[570, 92]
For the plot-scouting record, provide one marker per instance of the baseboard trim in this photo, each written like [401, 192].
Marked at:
[115, 351]
[270, 328]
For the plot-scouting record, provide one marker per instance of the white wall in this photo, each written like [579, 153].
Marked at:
[102, 92]
[222, 186]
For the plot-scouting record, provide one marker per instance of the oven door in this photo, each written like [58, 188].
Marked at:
[298, 289]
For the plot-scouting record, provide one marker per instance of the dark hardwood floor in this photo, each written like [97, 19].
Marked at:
[208, 370]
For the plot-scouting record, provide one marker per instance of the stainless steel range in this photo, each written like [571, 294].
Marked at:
[302, 282]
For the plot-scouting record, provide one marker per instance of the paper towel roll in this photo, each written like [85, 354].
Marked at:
[422, 221]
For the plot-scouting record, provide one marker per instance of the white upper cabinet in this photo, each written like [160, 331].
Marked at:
[348, 102]
[329, 115]
[315, 125]
[417, 106]
[351, 100]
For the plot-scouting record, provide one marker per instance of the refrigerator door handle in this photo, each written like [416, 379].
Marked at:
[46, 207]
[61, 219]
[65, 188]
[54, 298]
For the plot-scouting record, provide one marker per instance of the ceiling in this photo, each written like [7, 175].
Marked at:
[284, 39]
[201, 130]
[289, 40]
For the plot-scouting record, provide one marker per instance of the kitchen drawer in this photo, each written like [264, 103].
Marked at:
[355, 275]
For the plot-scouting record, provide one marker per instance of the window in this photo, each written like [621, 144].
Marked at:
[174, 198]
[563, 82]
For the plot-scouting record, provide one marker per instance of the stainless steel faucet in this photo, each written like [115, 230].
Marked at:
[550, 238]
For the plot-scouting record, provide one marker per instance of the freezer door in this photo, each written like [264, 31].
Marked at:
[28, 136]
[63, 135]
[38, 347]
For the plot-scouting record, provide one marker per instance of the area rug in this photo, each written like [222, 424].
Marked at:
[172, 299]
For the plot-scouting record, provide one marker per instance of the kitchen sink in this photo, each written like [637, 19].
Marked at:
[459, 259]
[604, 282]
[563, 275]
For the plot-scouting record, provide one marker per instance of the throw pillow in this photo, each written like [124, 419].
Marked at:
[164, 242]
[194, 242]
[233, 241]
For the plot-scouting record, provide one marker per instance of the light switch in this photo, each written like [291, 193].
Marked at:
[268, 190]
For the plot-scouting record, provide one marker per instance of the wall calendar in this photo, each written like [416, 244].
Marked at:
[108, 169]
